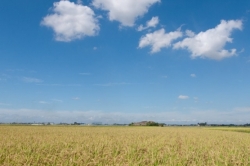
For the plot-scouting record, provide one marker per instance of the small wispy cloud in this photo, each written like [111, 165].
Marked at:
[159, 39]
[85, 74]
[94, 48]
[183, 97]
[63, 85]
[15, 70]
[31, 80]
[113, 84]
[75, 98]
[43, 102]
[151, 23]
[57, 100]
[193, 75]
[5, 77]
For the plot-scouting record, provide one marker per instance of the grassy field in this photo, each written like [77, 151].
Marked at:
[76, 145]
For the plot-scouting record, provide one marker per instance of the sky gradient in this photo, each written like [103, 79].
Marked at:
[109, 61]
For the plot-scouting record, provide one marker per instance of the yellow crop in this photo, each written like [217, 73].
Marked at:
[125, 146]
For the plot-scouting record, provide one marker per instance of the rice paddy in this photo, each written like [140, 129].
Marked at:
[125, 146]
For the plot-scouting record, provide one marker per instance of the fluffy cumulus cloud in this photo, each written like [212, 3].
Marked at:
[71, 21]
[159, 39]
[124, 11]
[210, 44]
[183, 97]
[151, 23]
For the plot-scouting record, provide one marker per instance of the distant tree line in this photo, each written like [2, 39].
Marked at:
[202, 124]
[147, 123]
[143, 123]
[155, 124]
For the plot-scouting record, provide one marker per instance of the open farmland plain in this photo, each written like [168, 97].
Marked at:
[76, 145]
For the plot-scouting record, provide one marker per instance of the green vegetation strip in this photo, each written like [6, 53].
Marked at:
[234, 129]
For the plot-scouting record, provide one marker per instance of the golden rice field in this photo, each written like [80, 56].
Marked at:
[125, 146]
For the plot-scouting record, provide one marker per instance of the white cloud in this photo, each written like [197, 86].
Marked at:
[76, 98]
[71, 21]
[159, 39]
[183, 97]
[31, 80]
[43, 102]
[192, 75]
[124, 11]
[151, 23]
[210, 44]
[190, 33]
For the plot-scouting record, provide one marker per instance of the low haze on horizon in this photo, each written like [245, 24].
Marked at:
[109, 61]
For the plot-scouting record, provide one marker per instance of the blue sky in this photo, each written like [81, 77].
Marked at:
[110, 61]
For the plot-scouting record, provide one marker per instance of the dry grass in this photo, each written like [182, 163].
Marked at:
[68, 145]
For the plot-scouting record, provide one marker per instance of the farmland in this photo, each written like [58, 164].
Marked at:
[76, 145]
